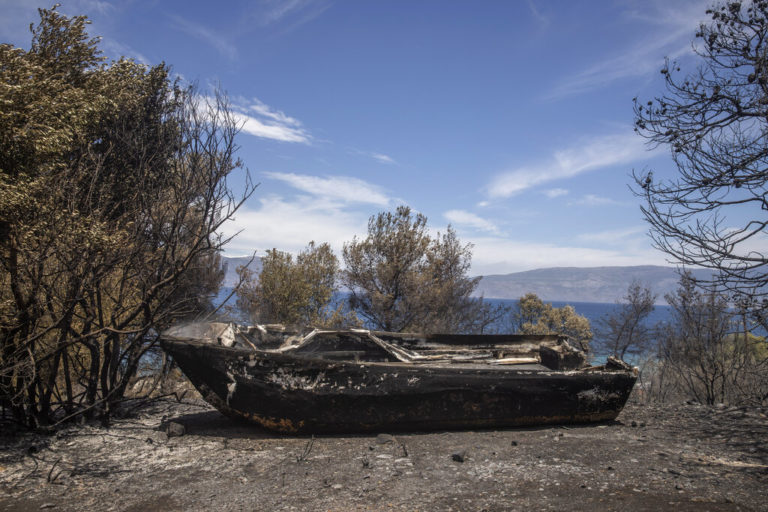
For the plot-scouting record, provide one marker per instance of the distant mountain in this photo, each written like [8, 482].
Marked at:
[598, 284]
[230, 278]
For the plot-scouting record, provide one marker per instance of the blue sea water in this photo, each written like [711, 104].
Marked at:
[592, 310]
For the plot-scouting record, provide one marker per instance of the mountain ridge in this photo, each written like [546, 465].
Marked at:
[583, 284]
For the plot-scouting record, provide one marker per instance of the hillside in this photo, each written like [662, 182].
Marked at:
[597, 284]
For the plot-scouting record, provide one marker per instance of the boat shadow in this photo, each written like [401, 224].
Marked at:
[212, 423]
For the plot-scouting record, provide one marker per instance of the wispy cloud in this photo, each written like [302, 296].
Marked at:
[286, 14]
[670, 28]
[591, 154]
[344, 189]
[288, 225]
[614, 236]
[555, 192]
[207, 35]
[386, 159]
[379, 157]
[116, 50]
[594, 200]
[471, 220]
[261, 120]
[537, 14]
[498, 255]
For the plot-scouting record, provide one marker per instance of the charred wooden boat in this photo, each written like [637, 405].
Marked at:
[358, 380]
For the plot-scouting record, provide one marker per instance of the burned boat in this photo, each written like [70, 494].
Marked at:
[358, 380]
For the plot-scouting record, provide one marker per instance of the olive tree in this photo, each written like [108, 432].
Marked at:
[712, 212]
[402, 278]
[295, 292]
[534, 316]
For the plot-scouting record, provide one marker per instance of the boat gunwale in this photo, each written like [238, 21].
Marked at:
[451, 367]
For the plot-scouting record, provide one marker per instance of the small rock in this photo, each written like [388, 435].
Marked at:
[47, 505]
[385, 438]
[513, 443]
[459, 456]
[174, 429]
[337, 486]
[642, 423]
[609, 468]
[634, 423]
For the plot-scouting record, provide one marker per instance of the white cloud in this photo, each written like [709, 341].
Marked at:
[383, 158]
[555, 192]
[258, 128]
[379, 157]
[595, 200]
[274, 11]
[345, 189]
[615, 236]
[289, 225]
[591, 154]
[496, 255]
[670, 29]
[260, 120]
[465, 218]
[207, 35]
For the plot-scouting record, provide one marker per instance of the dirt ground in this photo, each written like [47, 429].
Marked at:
[680, 457]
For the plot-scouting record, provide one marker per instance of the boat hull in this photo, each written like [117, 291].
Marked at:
[291, 394]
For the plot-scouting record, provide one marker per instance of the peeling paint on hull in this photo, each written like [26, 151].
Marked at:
[291, 394]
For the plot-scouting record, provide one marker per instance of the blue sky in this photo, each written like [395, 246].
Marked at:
[512, 121]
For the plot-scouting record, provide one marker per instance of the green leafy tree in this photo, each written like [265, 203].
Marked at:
[400, 278]
[113, 185]
[294, 292]
[533, 316]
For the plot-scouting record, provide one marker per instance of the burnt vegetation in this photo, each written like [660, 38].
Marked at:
[714, 121]
[113, 186]
[712, 212]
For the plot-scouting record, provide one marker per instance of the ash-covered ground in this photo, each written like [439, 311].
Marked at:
[671, 457]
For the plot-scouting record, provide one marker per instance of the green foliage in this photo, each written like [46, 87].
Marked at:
[533, 316]
[295, 293]
[401, 278]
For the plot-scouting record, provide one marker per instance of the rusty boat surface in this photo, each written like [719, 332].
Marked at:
[320, 381]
